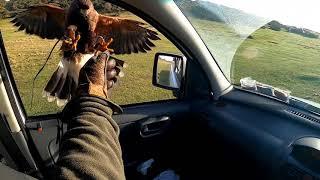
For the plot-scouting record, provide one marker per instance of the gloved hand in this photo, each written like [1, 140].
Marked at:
[99, 75]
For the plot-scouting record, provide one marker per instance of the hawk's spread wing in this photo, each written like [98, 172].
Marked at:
[128, 35]
[46, 21]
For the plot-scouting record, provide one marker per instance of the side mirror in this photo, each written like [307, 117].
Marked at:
[168, 71]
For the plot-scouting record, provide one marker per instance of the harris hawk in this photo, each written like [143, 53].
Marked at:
[83, 32]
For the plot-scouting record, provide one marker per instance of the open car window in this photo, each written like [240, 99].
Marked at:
[28, 53]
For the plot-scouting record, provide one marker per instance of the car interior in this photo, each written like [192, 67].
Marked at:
[240, 135]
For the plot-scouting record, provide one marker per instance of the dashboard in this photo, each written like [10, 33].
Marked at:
[284, 139]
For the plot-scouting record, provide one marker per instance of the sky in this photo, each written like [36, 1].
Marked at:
[166, 58]
[298, 13]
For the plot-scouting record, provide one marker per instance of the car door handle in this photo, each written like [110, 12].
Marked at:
[154, 126]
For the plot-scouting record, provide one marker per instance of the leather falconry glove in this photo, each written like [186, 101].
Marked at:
[98, 76]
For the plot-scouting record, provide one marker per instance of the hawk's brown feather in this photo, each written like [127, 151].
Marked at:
[129, 35]
[46, 21]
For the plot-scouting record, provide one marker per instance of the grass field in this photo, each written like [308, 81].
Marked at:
[28, 53]
[285, 60]
[280, 59]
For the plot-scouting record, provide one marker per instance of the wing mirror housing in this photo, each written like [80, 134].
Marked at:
[168, 71]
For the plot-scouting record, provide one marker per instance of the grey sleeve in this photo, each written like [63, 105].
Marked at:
[90, 148]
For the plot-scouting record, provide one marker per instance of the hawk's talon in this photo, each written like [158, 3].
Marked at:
[102, 45]
[70, 39]
[109, 42]
[110, 50]
[78, 37]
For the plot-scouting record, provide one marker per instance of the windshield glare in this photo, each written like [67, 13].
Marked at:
[274, 44]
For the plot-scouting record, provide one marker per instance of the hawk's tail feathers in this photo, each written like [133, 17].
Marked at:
[60, 87]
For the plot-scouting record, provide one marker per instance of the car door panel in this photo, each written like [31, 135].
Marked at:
[137, 112]
[159, 118]
[130, 122]
[44, 133]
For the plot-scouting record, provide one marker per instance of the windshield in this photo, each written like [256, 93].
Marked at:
[273, 44]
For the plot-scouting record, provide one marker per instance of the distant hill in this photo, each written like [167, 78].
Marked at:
[210, 11]
[277, 26]
[196, 9]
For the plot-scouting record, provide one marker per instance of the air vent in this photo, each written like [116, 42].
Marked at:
[290, 172]
[304, 116]
[293, 173]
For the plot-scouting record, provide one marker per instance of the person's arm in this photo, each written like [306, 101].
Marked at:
[90, 148]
